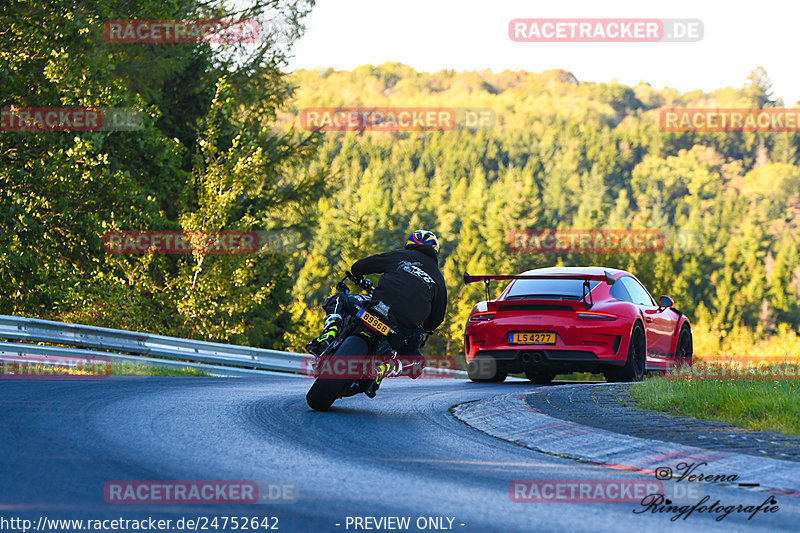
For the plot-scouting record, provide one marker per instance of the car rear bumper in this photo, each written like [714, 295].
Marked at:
[547, 359]
[604, 339]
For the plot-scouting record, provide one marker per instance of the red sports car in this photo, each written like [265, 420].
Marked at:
[557, 320]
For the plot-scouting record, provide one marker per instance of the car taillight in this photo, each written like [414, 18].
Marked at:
[481, 316]
[593, 315]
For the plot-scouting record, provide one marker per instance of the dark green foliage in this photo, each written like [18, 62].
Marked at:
[563, 155]
[217, 153]
[206, 159]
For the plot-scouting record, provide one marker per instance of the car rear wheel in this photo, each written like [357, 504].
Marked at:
[486, 371]
[540, 377]
[685, 349]
[634, 368]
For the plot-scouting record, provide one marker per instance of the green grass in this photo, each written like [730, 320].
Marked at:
[133, 369]
[754, 404]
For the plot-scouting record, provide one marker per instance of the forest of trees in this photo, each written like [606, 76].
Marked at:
[222, 148]
[563, 154]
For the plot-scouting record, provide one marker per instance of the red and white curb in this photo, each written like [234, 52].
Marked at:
[510, 418]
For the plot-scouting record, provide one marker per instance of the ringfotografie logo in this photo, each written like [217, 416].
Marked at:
[687, 474]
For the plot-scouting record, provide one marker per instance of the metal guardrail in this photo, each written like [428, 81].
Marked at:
[235, 359]
[13, 351]
[115, 340]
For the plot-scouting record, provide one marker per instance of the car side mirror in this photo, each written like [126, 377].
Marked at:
[665, 301]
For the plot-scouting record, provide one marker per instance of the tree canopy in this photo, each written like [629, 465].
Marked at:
[221, 148]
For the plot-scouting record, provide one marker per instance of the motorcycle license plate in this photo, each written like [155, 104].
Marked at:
[373, 322]
[533, 338]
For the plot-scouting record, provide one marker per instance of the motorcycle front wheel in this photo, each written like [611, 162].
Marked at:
[324, 392]
[327, 390]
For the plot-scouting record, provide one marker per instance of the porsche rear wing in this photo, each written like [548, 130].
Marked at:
[606, 276]
[586, 278]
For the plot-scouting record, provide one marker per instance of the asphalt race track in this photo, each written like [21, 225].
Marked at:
[400, 454]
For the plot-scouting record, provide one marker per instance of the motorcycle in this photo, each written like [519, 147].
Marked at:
[343, 375]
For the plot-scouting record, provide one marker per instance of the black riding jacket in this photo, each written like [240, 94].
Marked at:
[411, 285]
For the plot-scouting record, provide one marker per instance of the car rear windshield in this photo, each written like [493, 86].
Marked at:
[543, 288]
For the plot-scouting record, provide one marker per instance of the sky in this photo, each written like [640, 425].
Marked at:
[431, 35]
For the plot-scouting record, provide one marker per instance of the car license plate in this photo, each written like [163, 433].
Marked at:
[533, 338]
[373, 322]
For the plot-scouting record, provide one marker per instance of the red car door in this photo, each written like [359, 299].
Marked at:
[658, 324]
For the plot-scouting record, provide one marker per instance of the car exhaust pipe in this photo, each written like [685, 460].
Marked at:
[527, 358]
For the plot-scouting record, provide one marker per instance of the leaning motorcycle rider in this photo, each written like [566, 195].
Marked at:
[411, 285]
